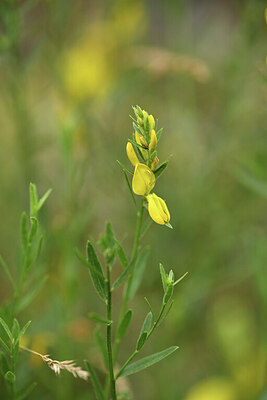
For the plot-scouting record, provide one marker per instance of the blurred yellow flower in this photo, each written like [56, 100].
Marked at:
[212, 389]
[153, 141]
[143, 180]
[157, 209]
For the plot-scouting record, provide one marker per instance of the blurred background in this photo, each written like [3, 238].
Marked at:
[70, 72]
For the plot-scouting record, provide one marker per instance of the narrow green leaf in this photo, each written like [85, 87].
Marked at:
[150, 307]
[179, 280]
[23, 395]
[43, 199]
[6, 328]
[27, 299]
[24, 230]
[124, 324]
[161, 168]
[98, 318]
[95, 382]
[7, 349]
[139, 271]
[159, 133]
[136, 144]
[147, 361]
[102, 345]
[111, 241]
[10, 377]
[124, 168]
[33, 200]
[15, 329]
[94, 265]
[124, 275]
[147, 323]
[122, 255]
[33, 229]
[129, 187]
[163, 277]
[23, 330]
[141, 340]
[6, 269]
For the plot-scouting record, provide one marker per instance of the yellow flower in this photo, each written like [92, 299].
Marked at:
[157, 209]
[131, 154]
[143, 180]
[153, 141]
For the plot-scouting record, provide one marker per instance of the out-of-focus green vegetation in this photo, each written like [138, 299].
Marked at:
[70, 70]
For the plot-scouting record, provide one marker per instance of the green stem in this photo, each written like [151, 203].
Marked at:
[129, 282]
[126, 363]
[109, 344]
[149, 334]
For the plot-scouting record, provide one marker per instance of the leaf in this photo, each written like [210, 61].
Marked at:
[179, 280]
[98, 318]
[24, 230]
[6, 269]
[163, 277]
[95, 382]
[7, 349]
[15, 329]
[161, 168]
[95, 270]
[102, 345]
[23, 330]
[10, 377]
[147, 323]
[141, 340]
[124, 275]
[6, 328]
[124, 168]
[33, 200]
[129, 187]
[147, 361]
[43, 199]
[27, 391]
[122, 255]
[150, 307]
[27, 299]
[124, 324]
[140, 266]
[33, 230]
[159, 133]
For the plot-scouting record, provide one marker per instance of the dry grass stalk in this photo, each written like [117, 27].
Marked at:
[57, 366]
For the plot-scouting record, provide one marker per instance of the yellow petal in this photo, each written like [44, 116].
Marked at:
[131, 154]
[143, 180]
[151, 121]
[157, 209]
[153, 141]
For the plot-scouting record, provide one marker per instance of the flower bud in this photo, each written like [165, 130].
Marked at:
[143, 180]
[157, 209]
[153, 141]
[151, 121]
[154, 163]
[131, 154]
[140, 139]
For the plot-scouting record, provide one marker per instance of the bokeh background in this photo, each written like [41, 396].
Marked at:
[70, 71]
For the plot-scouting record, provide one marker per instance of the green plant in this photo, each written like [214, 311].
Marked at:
[146, 171]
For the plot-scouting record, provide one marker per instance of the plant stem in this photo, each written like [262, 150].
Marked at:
[109, 345]
[129, 282]
[126, 363]
[149, 334]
